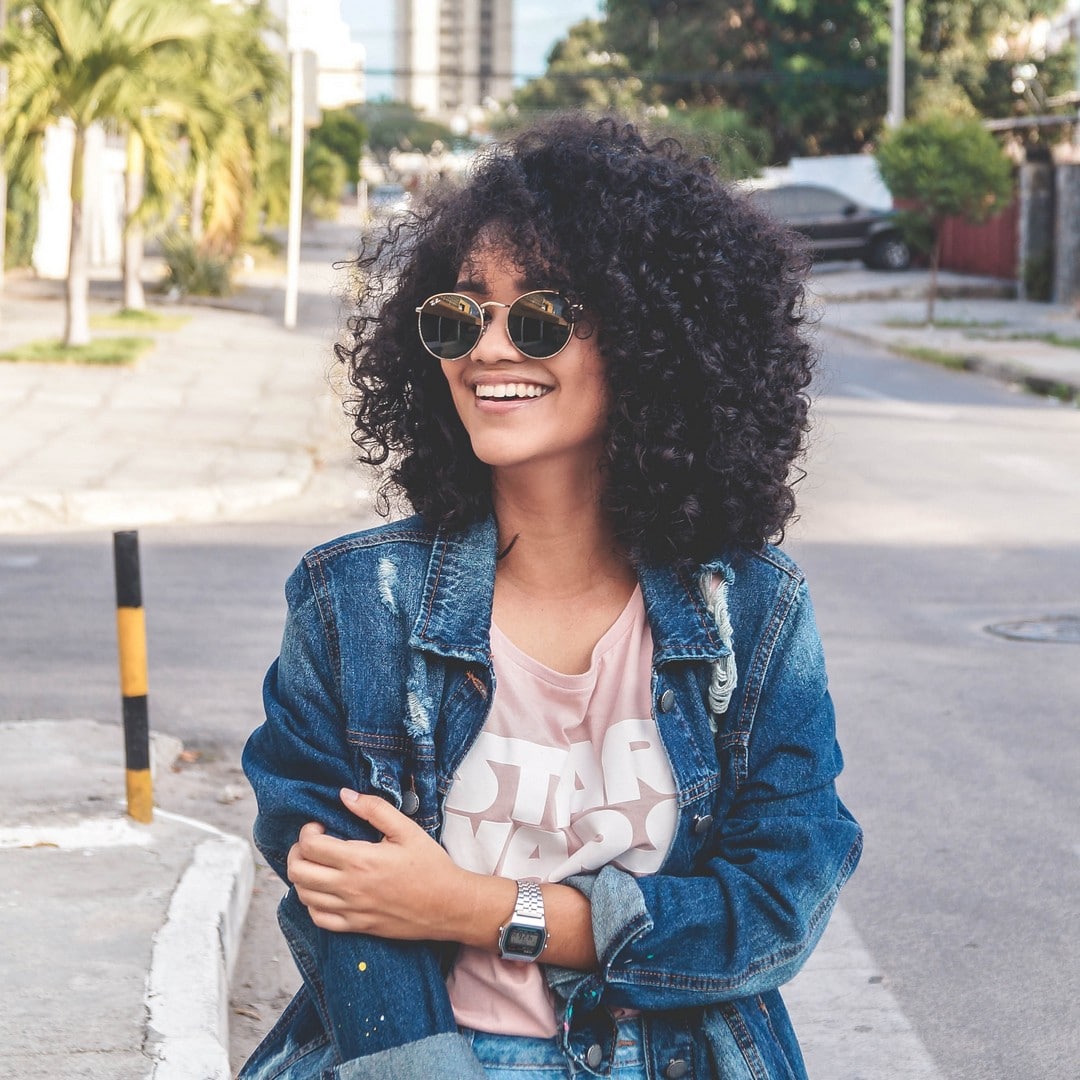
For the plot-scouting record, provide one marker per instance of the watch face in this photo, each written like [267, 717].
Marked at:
[524, 940]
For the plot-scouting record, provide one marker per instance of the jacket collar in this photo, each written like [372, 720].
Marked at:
[455, 612]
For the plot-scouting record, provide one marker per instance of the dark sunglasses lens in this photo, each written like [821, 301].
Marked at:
[450, 325]
[540, 324]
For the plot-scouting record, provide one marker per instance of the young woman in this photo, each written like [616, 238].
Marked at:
[549, 766]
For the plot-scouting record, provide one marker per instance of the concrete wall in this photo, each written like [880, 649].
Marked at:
[1035, 255]
[1067, 234]
[103, 202]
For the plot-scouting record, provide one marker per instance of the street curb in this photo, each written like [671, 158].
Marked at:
[106, 509]
[194, 952]
[995, 289]
[1065, 390]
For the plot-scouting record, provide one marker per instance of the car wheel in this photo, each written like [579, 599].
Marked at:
[889, 252]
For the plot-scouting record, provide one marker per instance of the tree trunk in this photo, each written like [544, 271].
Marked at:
[77, 314]
[198, 203]
[134, 182]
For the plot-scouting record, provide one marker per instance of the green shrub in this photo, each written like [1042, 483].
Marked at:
[1038, 274]
[194, 272]
[22, 224]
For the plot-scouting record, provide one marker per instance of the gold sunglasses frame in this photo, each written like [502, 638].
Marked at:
[574, 309]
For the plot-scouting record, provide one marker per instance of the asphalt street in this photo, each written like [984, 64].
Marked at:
[937, 504]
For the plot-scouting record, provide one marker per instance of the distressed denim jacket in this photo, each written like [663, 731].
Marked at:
[383, 683]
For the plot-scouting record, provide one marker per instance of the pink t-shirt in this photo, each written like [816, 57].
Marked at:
[568, 774]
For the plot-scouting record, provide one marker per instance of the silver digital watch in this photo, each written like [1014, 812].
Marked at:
[525, 934]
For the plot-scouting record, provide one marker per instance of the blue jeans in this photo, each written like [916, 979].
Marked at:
[513, 1057]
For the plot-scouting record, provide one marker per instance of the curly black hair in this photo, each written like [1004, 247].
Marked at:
[698, 302]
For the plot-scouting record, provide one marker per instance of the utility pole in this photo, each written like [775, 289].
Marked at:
[296, 189]
[296, 33]
[1076, 74]
[897, 58]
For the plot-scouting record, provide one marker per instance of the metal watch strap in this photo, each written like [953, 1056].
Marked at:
[530, 901]
[524, 936]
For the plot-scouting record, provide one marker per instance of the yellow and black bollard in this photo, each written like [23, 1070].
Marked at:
[134, 683]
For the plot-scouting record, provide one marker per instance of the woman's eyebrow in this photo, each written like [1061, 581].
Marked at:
[471, 285]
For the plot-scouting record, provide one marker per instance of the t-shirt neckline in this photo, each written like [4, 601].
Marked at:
[630, 614]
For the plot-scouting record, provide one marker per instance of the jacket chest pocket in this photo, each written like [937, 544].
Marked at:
[400, 770]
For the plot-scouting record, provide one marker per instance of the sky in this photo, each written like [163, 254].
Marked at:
[538, 24]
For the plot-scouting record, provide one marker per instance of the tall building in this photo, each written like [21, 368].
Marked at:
[452, 56]
[338, 61]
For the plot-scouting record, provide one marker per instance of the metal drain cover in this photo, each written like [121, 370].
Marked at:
[1061, 628]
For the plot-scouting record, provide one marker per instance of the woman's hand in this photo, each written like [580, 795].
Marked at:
[408, 888]
[405, 887]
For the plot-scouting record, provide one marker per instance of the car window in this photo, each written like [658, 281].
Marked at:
[780, 202]
[818, 201]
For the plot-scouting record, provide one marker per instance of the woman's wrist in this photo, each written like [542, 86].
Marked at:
[482, 905]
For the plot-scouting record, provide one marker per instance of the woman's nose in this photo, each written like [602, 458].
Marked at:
[494, 344]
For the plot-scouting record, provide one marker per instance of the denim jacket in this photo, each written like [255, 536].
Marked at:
[384, 681]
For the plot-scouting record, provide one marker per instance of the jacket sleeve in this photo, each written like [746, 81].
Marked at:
[375, 996]
[762, 889]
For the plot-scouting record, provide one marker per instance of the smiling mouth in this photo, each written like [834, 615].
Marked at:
[510, 391]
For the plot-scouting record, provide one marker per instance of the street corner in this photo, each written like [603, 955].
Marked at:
[62, 775]
[135, 926]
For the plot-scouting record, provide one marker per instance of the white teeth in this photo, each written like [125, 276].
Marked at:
[510, 390]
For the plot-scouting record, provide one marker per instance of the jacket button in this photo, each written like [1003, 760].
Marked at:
[676, 1068]
[594, 1055]
[667, 701]
[410, 803]
[702, 824]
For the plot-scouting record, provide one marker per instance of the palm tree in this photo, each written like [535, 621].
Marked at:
[230, 134]
[226, 116]
[91, 61]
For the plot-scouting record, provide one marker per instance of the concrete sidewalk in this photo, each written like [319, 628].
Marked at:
[977, 326]
[231, 411]
[228, 412]
[119, 937]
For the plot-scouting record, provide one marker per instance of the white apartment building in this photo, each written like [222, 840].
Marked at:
[453, 56]
[317, 27]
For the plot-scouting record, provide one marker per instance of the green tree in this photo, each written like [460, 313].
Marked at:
[22, 209]
[582, 72]
[722, 134]
[810, 72]
[219, 94]
[945, 166]
[961, 54]
[231, 138]
[87, 61]
[394, 125]
[325, 176]
[344, 135]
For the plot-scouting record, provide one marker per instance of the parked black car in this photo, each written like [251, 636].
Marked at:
[838, 227]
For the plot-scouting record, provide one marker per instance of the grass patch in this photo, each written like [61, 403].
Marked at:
[944, 324]
[1049, 338]
[932, 356]
[1051, 388]
[108, 351]
[129, 319]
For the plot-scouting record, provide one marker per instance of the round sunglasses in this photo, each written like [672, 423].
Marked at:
[539, 324]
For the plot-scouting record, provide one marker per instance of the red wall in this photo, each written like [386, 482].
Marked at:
[990, 248]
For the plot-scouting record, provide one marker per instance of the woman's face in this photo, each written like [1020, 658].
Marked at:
[547, 412]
